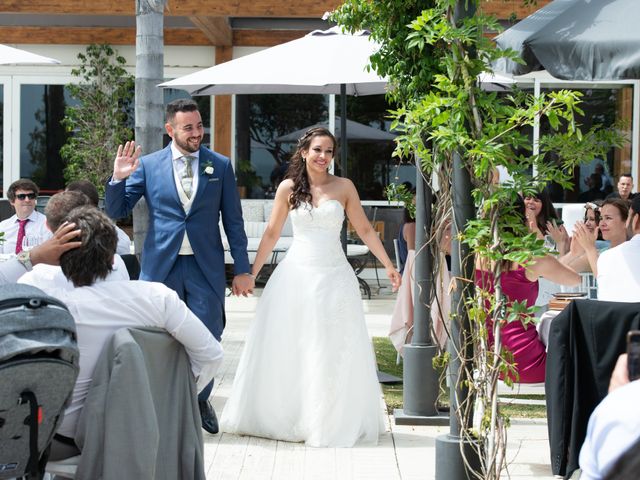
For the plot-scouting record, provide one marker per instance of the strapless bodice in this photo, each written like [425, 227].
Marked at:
[316, 234]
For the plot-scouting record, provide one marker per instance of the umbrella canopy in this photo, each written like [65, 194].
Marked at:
[10, 55]
[338, 64]
[356, 132]
[343, 61]
[577, 40]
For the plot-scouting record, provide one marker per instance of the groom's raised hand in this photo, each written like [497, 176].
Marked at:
[126, 161]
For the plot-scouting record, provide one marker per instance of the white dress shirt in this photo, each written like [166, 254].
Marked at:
[124, 242]
[50, 277]
[613, 427]
[619, 272]
[36, 227]
[104, 307]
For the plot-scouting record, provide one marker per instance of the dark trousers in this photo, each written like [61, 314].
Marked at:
[187, 279]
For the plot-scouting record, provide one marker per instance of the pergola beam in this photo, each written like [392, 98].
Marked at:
[127, 36]
[216, 29]
[187, 8]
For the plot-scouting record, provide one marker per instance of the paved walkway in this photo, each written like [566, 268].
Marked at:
[403, 452]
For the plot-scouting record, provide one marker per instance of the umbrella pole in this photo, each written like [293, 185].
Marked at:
[420, 380]
[343, 153]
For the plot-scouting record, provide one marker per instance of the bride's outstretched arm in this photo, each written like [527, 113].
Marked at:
[367, 234]
[274, 227]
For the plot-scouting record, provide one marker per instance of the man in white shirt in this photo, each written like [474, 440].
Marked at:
[614, 425]
[48, 252]
[625, 186]
[90, 190]
[619, 267]
[45, 276]
[27, 224]
[101, 307]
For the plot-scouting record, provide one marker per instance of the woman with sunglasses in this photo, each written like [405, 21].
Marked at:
[27, 227]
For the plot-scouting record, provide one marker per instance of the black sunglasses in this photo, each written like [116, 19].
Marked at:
[24, 196]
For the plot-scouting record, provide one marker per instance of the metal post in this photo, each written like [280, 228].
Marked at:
[343, 153]
[420, 380]
[449, 461]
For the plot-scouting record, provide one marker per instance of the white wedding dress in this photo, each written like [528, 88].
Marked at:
[307, 372]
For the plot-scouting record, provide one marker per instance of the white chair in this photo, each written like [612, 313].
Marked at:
[571, 213]
[62, 468]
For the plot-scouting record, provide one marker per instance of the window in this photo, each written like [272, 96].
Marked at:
[268, 126]
[602, 106]
[42, 135]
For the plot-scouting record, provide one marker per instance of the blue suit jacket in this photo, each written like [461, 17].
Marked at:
[217, 195]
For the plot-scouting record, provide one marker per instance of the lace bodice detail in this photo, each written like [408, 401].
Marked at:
[316, 233]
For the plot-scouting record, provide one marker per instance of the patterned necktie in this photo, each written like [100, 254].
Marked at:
[187, 175]
[21, 232]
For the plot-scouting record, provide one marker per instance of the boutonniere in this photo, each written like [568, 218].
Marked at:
[207, 167]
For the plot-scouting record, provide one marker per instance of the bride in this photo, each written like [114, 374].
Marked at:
[307, 372]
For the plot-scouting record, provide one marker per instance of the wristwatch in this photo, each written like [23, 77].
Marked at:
[24, 257]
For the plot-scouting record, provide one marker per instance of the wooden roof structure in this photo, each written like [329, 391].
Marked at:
[187, 22]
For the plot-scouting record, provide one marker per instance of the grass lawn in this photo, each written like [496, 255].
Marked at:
[386, 357]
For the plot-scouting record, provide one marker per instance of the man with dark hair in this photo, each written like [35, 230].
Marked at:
[619, 267]
[27, 223]
[625, 187]
[187, 188]
[51, 276]
[90, 190]
[100, 308]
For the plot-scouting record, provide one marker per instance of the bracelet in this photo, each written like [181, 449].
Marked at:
[250, 275]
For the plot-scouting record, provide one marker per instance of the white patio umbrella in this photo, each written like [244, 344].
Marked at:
[323, 62]
[356, 132]
[10, 55]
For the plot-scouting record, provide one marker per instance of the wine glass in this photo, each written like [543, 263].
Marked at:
[30, 241]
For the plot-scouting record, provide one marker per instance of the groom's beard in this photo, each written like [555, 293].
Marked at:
[190, 145]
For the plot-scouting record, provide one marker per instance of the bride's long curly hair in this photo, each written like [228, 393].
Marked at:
[297, 170]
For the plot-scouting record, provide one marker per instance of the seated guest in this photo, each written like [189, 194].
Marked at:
[100, 308]
[614, 426]
[406, 238]
[27, 222]
[619, 267]
[47, 252]
[50, 276]
[520, 284]
[614, 214]
[90, 190]
[625, 187]
[576, 258]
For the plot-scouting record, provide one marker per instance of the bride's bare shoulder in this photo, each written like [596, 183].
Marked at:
[286, 186]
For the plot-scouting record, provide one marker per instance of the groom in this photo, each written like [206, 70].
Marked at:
[187, 187]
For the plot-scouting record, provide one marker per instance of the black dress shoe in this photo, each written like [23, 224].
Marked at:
[208, 416]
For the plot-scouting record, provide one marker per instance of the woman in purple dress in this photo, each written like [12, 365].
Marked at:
[520, 284]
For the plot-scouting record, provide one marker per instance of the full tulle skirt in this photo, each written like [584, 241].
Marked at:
[307, 372]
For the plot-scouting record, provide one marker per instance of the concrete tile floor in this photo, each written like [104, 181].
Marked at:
[403, 452]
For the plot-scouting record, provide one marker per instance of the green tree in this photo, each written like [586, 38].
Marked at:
[433, 56]
[102, 118]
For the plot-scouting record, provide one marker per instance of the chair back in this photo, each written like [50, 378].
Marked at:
[571, 213]
[585, 340]
[133, 265]
[6, 210]
[152, 403]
